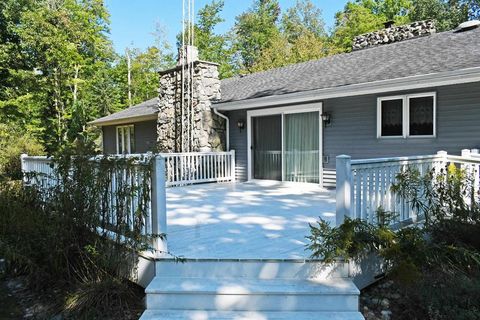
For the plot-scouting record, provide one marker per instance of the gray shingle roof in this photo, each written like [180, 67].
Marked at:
[146, 108]
[446, 51]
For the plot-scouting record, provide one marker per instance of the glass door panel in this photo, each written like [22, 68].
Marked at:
[267, 147]
[302, 147]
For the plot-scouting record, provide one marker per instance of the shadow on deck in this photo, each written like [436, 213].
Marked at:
[254, 220]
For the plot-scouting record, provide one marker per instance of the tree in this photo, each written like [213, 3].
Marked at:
[354, 20]
[447, 14]
[255, 30]
[303, 18]
[396, 10]
[212, 46]
[282, 52]
[66, 41]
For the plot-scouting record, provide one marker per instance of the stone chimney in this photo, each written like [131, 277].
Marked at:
[393, 33]
[191, 55]
[193, 126]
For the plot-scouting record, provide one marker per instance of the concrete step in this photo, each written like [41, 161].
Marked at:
[230, 315]
[243, 294]
[255, 269]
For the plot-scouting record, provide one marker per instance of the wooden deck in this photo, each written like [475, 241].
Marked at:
[254, 220]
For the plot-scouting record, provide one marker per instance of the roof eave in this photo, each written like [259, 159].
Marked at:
[407, 83]
[127, 120]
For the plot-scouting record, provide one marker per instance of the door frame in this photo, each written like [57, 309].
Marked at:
[311, 107]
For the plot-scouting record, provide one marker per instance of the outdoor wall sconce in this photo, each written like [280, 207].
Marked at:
[241, 124]
[326, 118]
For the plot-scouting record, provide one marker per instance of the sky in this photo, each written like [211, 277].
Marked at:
[133, 22]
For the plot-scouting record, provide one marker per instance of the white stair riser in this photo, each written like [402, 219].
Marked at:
[239, 315]
[252, 302]
[251, 269]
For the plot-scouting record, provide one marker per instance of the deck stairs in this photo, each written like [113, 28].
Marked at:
[251, 290]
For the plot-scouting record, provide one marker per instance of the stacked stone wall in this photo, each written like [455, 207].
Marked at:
[394, 34]
[190, 126]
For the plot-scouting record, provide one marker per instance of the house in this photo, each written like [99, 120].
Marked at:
[402, 91]
[416, 94]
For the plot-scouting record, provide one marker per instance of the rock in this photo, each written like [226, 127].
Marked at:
[386, 314]
[394, 34]
[385, 303]
[395, 296]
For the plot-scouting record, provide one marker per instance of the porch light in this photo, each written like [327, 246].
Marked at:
[326, 118]
[241, 124]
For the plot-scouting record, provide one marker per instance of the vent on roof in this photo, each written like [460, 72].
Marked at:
[468, 25]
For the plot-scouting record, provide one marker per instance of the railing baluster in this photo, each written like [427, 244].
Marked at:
[358, 194]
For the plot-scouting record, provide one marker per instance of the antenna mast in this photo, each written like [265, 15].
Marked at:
[188, 25]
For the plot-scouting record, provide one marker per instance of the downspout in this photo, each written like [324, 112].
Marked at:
[227, 124]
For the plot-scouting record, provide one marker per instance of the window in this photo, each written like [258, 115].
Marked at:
[125, 139]
[406, 116]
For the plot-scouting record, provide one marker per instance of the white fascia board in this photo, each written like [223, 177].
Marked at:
[407, 83]
[119, 121]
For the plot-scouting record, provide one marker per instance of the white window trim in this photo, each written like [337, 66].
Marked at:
[421, 95]
[406, 115]
[128, 144]
[379, 116]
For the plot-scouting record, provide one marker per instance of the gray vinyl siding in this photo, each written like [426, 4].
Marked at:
[353, 128]
[145, 137]
[238, 142]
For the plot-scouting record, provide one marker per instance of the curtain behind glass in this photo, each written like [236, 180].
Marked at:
[301, 147]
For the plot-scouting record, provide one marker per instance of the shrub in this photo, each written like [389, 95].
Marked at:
[12, 145]
[62, 236]
[442, 252]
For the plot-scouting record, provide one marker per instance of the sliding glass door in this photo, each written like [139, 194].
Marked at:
[286, 146]
[267, 147]
[301, 148]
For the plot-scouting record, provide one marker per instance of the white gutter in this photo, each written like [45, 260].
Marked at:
[407, 83]
[227, 124]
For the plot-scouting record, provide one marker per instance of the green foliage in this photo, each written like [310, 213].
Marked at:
[71, 236]
[448, 14]
[58, 69]
[301, 19]
[442, 251]
[255, 30]
[354, 20]
[12, 145]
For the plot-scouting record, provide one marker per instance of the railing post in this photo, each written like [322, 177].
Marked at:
[232, 165]
[23, 162]
[474, 154]
[465, 152]
[159, 206]
[344, 188]
[444, 157]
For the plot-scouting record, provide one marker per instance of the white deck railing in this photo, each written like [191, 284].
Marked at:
[199, 167]
[365, 185]
[40, 171]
